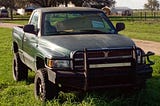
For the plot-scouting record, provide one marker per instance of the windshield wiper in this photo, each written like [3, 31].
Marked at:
[65, 32]
[88, 31]
[93, 31]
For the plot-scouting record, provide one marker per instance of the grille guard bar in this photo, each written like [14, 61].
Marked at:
[86, 51]
[149, 53]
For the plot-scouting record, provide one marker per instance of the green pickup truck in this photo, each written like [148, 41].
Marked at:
[76, 49]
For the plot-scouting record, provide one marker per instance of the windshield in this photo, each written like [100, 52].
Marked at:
[76, 23]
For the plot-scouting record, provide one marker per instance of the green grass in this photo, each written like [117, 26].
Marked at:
[145, 30]
[21, 93]
[21, 21]
[16, 21]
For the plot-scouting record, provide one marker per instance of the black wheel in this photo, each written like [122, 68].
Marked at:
[44, 89]
[20, 70]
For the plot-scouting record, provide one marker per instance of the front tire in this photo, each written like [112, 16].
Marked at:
[19, 69]
[44, 89]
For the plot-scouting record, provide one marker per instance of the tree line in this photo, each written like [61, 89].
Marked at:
[152, 5]
[15, 4]
[49, 3]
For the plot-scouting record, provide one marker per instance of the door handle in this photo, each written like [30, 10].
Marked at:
[24, 38]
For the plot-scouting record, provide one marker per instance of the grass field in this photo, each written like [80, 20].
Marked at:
[21, 93]
[145, 30]
[16, 21]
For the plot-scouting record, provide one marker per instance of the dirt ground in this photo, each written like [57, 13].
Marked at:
[8, 25]
[148, 46]
[145, 45]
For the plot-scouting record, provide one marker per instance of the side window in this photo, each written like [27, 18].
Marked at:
[34, 20]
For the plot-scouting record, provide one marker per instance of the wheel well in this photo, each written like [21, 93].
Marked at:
[39, 63]
[15, 47]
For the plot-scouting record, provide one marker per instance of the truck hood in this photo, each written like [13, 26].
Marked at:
[79, 42]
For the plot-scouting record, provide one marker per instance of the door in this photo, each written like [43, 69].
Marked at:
[30, 43]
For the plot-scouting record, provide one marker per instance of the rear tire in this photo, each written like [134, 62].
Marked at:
[44, 89]
[19, 69]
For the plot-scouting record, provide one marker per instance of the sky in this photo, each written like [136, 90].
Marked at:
[133, 4]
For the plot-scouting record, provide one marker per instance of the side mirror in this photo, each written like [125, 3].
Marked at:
[120, 26]
[29, 28]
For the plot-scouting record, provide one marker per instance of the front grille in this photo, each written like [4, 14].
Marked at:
[102, 58]
[94, 54]
[120, 53]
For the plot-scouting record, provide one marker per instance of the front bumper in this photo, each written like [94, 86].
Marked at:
[96, 79]
[105, 68]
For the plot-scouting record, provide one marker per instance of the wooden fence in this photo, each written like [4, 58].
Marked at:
[139, 16]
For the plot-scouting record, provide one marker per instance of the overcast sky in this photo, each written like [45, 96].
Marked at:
[133, 4]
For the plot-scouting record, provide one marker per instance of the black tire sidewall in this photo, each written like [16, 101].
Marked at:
[15, 67]
[19, 70]
[40, 76]
[50, 90]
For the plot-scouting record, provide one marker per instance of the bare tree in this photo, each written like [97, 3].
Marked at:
[49, 3]
[14, 4]
[45, 3]
[20, 3]
[99, 3]
[152, 5]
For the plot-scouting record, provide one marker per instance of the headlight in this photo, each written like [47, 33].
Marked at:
[61, 64]
[57, 63]
[140, 59]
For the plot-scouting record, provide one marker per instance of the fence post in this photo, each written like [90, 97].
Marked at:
[145, 15]
[154, 15]
[141, 15]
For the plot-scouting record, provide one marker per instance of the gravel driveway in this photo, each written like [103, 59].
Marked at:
[8, 25]
[145, 45]
[148, 46]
